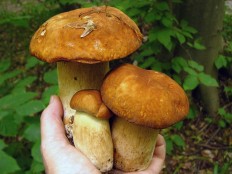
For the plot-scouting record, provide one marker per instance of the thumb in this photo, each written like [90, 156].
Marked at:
[52, 127]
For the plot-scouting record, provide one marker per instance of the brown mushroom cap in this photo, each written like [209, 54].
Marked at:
[90, 101]
[112, 35]
[144, 97]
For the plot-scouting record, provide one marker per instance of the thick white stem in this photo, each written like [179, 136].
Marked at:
[93, 137]
[133, 145]
[73, 77]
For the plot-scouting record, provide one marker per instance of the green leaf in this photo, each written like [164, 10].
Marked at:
[180, 60]
[162, 6]
[51, 77]
[51, 90]
[32, 132]
[220, 62]
[225, 168]
[169, 145]
[18, 21]
[147, 52]
[8, 164]
[225, 115]
[221, 111]
[152, 35]
[180, 37]
[190, 71]
[35, 152]
[23, 83]
[186, 28]
[164, 37]
[197, 45]
[176, 67]
[222, 123]
[133, 12]
[179, 125]
[2, 144]
[36, 167]
[147, 62]
[177, 78]
[178, 64]
[151, 17]
[8, 127]
[228, 90]
[187, 35]
[192, 113]
[190, 82]
[190, 29]
[13, 100]
[215, 169]
[9, 75]
[4, 113]
[156, 66]
[167, 22]
[30, 107]
[207, 80]
[178, 140]
[32, 62]
[195, 65]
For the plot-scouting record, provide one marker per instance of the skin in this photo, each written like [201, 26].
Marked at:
[60, 157]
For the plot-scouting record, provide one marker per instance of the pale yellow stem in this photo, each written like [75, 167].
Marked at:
[73, 77]
[133, 145]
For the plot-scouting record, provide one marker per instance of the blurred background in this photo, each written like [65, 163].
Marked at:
[190, 40]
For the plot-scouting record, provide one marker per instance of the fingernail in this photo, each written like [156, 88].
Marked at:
[52, 98]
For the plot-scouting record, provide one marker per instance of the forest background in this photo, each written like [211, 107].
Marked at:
[189, 40]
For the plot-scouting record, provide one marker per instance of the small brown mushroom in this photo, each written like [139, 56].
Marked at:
[91, 132]
[145, 101]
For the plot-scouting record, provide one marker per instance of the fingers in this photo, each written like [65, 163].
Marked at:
[159, 156]
[52, 128]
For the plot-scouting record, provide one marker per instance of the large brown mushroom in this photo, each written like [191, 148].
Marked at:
[144, 101]
[91, 129]
[82, 42]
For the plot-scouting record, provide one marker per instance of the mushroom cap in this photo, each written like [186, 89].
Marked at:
[144, 97]
[86, 35]
[89, 101]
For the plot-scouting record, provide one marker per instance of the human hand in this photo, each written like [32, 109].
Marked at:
[59, 156]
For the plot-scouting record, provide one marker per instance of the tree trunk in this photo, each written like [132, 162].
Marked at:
[207, 17]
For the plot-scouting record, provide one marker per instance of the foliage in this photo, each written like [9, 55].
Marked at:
[26, 83]
[18, 123]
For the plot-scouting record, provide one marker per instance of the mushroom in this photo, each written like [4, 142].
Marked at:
[82, 42]
[91, 129]
[144, 102]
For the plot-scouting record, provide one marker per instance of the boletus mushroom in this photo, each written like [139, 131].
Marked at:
[144, 102]
[91, 129]
[82, 42]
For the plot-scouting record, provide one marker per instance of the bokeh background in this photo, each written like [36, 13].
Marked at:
[190, 40]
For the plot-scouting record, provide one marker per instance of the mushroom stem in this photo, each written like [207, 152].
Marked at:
[73, 77]
[133, 145]
[93, 137]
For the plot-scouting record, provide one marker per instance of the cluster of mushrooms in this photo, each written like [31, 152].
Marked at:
[112, 116]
